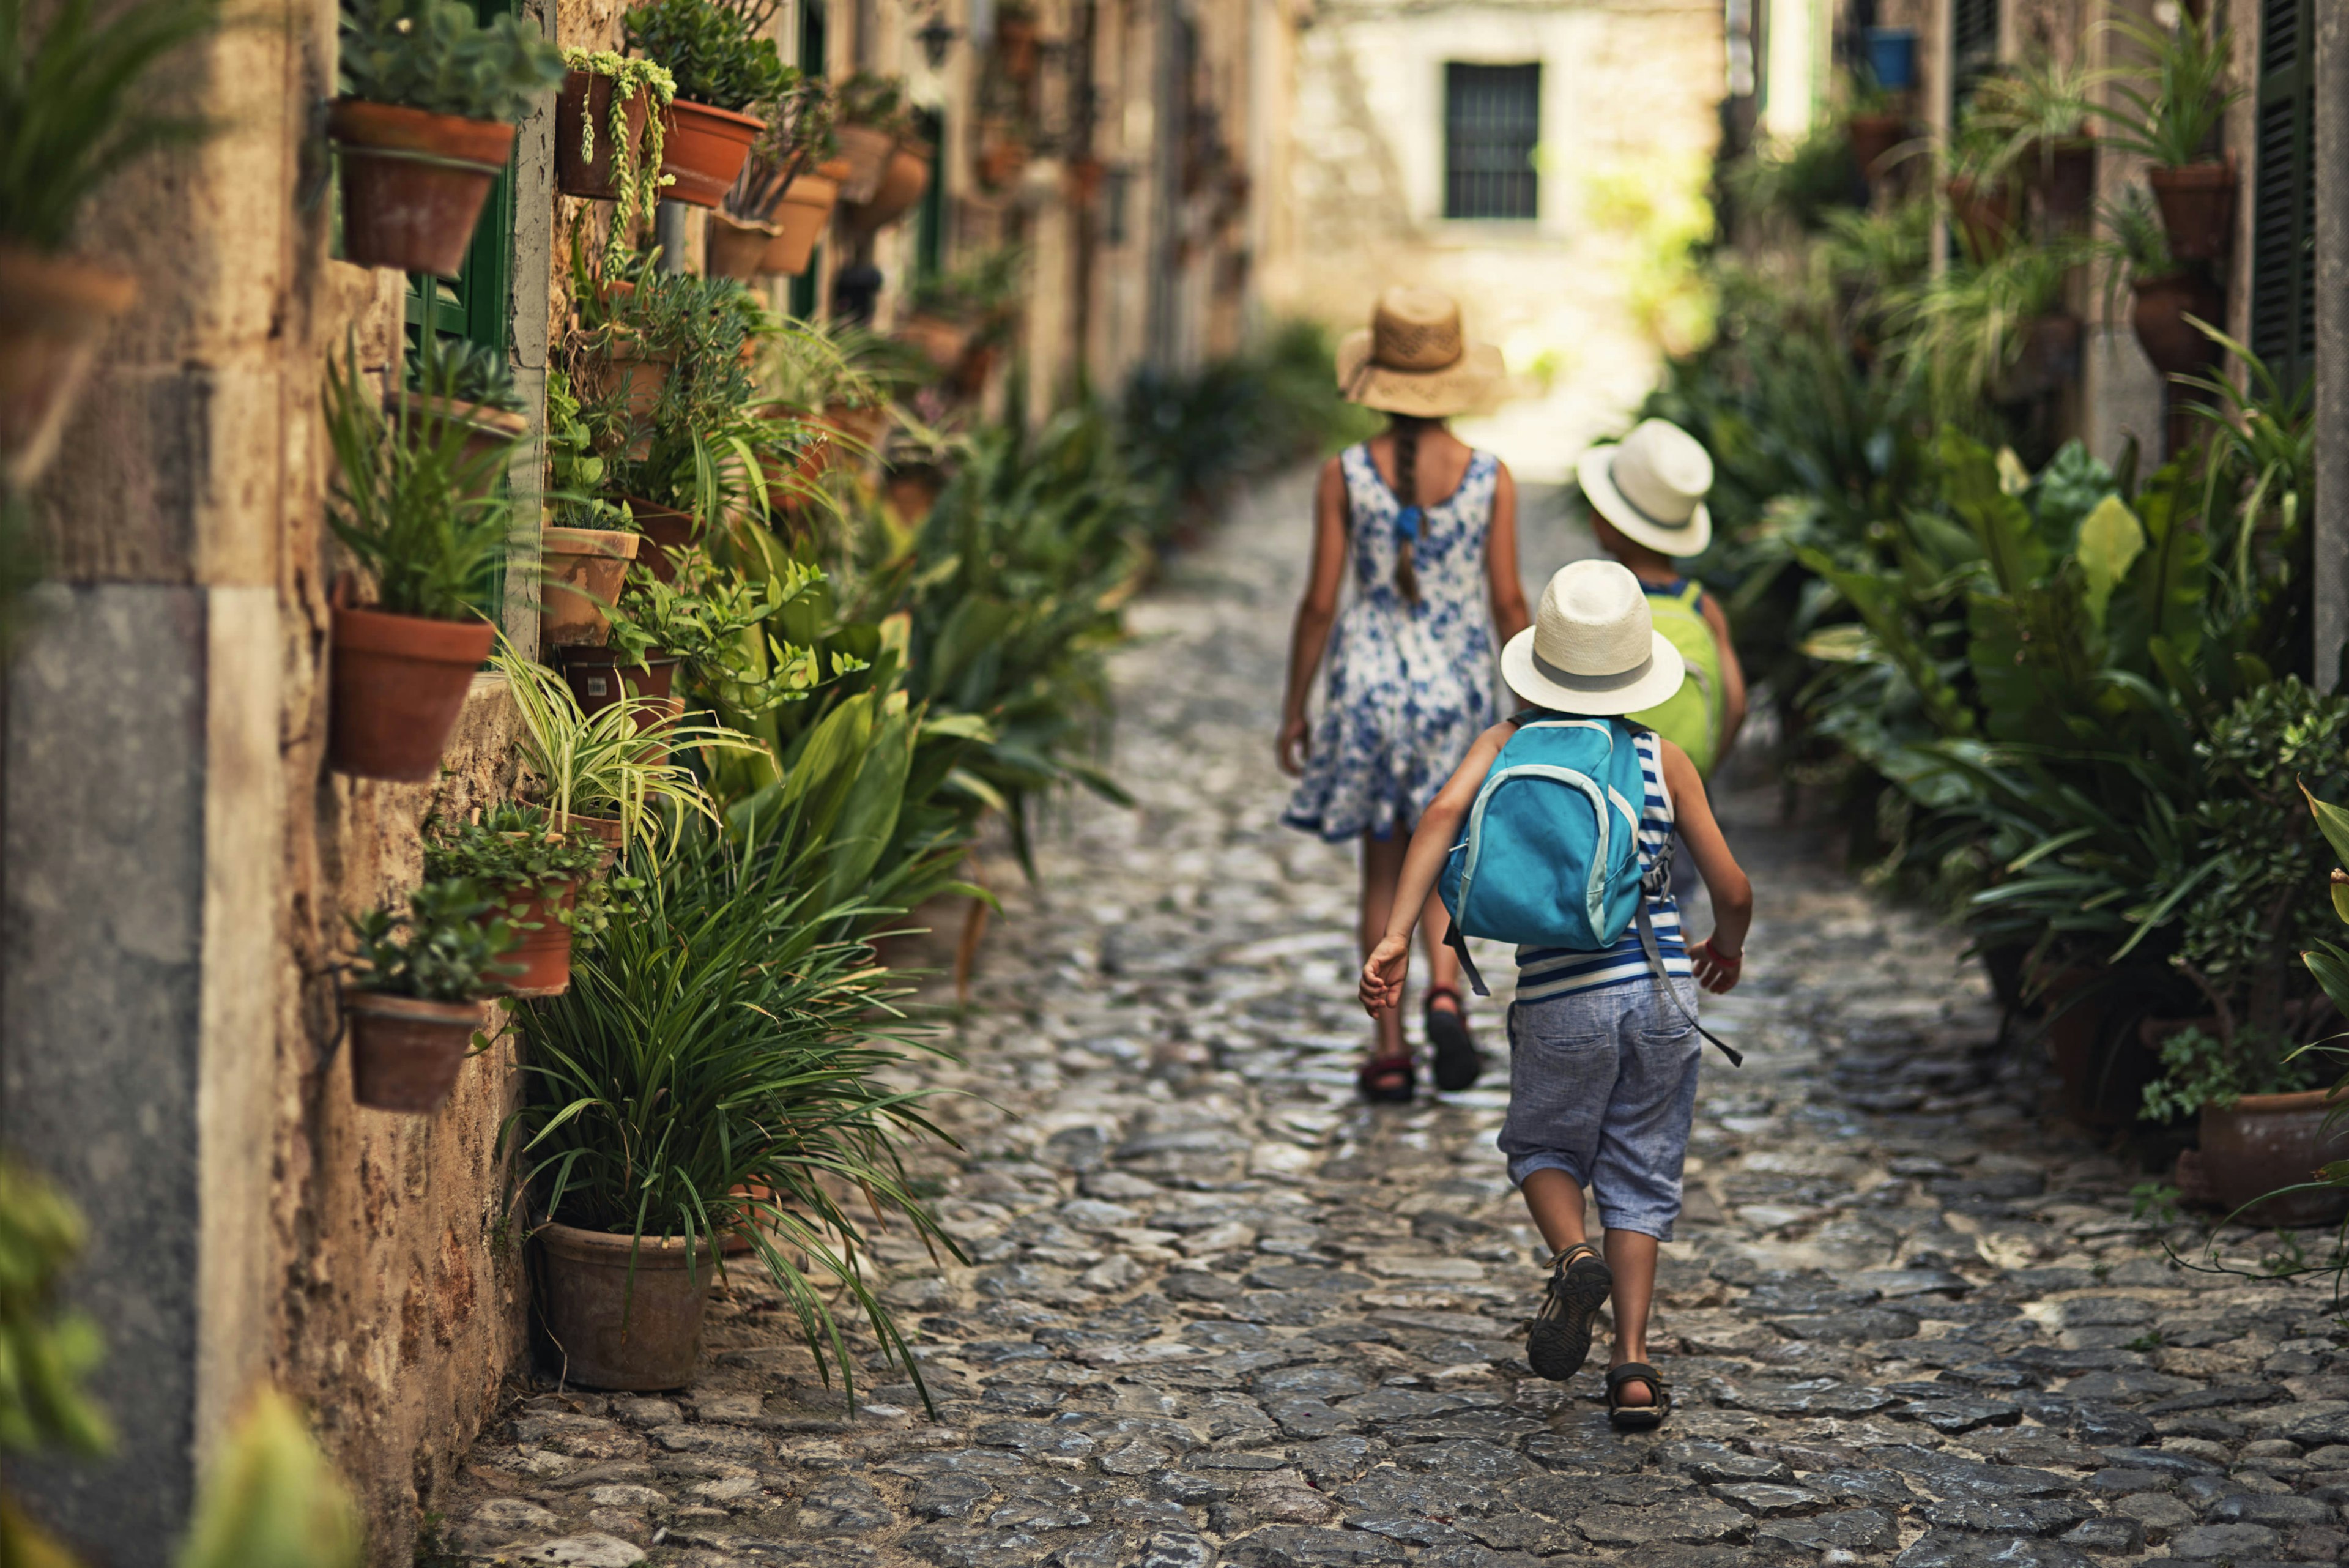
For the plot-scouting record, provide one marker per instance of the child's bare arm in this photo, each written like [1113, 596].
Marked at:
[1732, 675]
[1315, 612]
[1721, 956]
[1431, 842]
[1504, 586]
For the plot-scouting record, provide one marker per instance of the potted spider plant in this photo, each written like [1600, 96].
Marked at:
[428, 525]
[712, 1070]
[546, 885]
[414, 1001]
[424, 123]
[610, 132]
[2170, 112]
[2039, 110]
[722, 68]
[72, 113]
[2169, 296]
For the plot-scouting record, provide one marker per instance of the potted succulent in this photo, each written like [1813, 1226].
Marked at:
[450, 380]
[2170, 112]
[72, 114]
[429, 525]
[611, 132]
[414, 1001]
[779, 208]
[2169, 296]
[711, 1069]
[722, 68]
[426, 123]
[872, 118]
[545, 885]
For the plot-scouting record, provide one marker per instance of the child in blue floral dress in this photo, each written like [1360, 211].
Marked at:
[1426, 528]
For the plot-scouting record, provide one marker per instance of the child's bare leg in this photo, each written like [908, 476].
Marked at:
[1632, 1257]
[1555, 1201]
[1382, 869]
[1435, 926]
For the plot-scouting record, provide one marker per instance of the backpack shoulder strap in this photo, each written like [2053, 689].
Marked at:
[1664, 982]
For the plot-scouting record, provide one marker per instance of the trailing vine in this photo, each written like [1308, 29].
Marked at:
[638, 170]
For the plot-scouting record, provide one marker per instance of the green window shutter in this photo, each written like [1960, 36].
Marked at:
[2283, 199]
[474, 306]
[1492, 124]
[1973, 46]
[815, 45]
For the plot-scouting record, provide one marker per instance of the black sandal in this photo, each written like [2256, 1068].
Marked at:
[1637, 1417]
[1387, 1080]
[1457, 1059]
[1558, 1342]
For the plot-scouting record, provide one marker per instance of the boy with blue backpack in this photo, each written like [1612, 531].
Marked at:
[1557, 833]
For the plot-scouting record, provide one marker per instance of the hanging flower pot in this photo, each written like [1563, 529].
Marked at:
[487, 430]
[643, 378]
[2265, 1143]
[943, 342]
[599, 677]
[625, 1313]
[608, 831]
[972, 371]
[913, 490]
[396, 685]
[1872, 137]
[2174, 344]
[414, 182]
[54, 312]
[665, 528]
[907, 176]
[587, 157]
[800, 219]
[1015, 45]
[2197, 208]
[867, 150]
[1084, 177]
[1002, 158]
[2064, 177]
[2049, 358]
[1986, 216]
[583, 570]
[544, 954]
[406, 1052]
[705, 150]
[737, 249]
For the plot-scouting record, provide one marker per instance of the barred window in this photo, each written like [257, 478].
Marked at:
[1492, 120]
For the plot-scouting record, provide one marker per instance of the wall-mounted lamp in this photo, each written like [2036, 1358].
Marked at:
[936, 38]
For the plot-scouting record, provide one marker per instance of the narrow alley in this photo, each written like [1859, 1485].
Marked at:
[1218, 1312]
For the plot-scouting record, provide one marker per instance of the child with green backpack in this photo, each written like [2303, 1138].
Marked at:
[1647, 504]
[1556, 834]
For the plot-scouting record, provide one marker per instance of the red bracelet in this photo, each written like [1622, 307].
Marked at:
[1723, 960]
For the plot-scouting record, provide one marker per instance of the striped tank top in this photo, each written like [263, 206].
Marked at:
[1545, 972]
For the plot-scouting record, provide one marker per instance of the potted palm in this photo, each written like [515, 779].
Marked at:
[414, 1001]
[611, 130]
[427, 524]
[2039, 109]
[2170, 112]
[711, 1069]
[426, 123]
[722, 68]
[71, 115]
[544, 883]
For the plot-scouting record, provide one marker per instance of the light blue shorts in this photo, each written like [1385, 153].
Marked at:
[1602, 1085]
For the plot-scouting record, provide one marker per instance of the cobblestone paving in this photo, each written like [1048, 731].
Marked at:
[1218, 1313]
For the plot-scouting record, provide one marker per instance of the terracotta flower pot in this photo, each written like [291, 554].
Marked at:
[2197, 208]
[396, 684]
[866, 151]
[2098, 1049]
[487, 430]
[1015, 43]
[54, 312]
[624, 1312]
[413, 183]
[584, 568]
[1984, 216]
[406, 1052]
[902, 185]
[1872, 136]
[800, 220]
[913, 491]
[2265, 1143]
[665, 528]
[705, 150]
[588, 95]
[608, 831]
[598, 675]
[2159, 318]
[972, 371]
[737, 249]
[1001, 162]
[544, 954]
[643, 377]
[941, 341]
[2065, 179]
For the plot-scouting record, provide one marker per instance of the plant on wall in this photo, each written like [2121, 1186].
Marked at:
[715, 53]
[619, 160]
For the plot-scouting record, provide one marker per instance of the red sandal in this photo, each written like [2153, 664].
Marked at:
[1388, 1080]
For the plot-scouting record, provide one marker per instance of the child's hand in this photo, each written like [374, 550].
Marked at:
[1384, 973]
[1294, 744]
[1715, 971]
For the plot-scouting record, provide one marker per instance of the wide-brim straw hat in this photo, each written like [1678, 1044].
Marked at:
[1593, 648]
[1414, 359]
[1651, 485]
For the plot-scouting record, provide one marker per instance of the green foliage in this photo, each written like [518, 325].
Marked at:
[467, 371]
[2026, 109]
[77, 93]
[1962, 335]
[45, 1353]
[797, 138]
[574, 467]
[2170, 107]
[429, 523]
[713, 51]
[1809, 179]
[515, 854]
[273, 1499]
[983, 290]
[721, 1041]
[447, 945]
[636, 165]
[2199, 1068]
[869, 98]
[432, 54]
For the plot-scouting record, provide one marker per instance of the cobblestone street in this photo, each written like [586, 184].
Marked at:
[1218, 1312]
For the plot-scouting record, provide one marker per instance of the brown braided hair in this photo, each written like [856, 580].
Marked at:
[1407, 429]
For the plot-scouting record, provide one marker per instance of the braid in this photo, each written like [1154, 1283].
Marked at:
[1406, 450]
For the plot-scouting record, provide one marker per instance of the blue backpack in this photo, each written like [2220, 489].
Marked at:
[1551, 855]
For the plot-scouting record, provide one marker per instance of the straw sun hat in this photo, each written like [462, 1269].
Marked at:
[1414, 359]
[1593, 647]
[1651, 485]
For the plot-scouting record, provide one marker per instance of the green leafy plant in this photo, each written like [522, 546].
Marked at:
[1960, 336]
[467, 371]
[2134, 241]
[2171, 107]
[1802, 182]
[714, 52]
[636, 169]
[2030, 108]
[46, 1351]
[449, 944]
[712, 1069]
[870, 99]
[516, 854]
[798, 137]
[274, 1500]
[429, 523]
[983, 290]
[714, 620]
[434, 56]
[574, 466]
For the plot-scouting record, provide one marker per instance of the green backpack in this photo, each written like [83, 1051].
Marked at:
[1692, 717]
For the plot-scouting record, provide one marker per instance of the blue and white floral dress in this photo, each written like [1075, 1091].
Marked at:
[1410, 687]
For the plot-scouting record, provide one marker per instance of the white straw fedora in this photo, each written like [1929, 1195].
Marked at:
[1593, 647]
[1414, 359]
[1651, 486]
